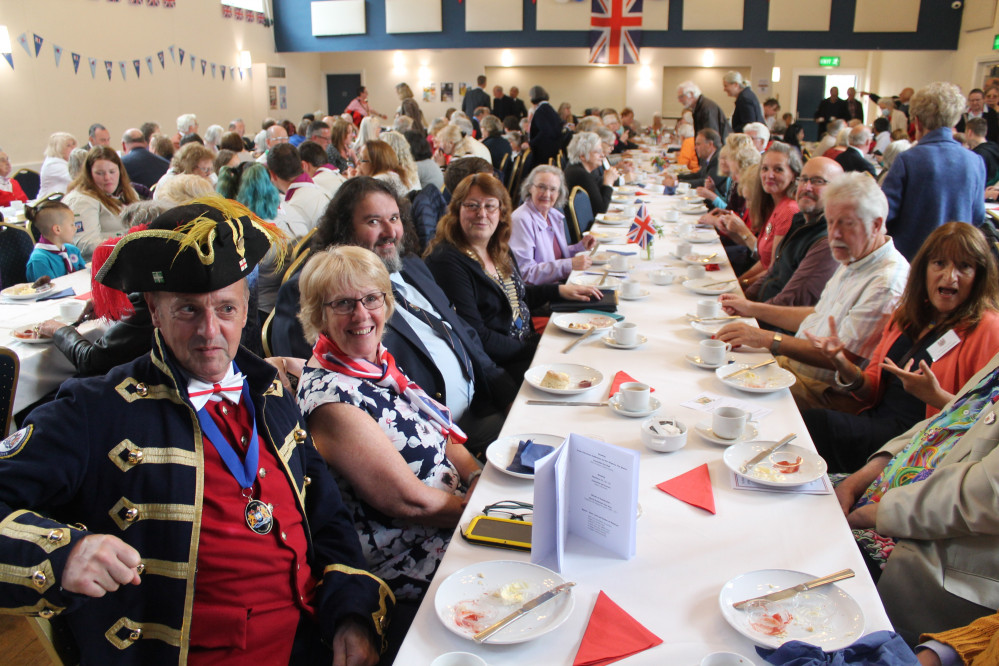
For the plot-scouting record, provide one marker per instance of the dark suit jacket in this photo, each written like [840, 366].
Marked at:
[600, 194]
[144, 167]
[991, 118]
[828, 110]
[747, 110]
[855, 108]
[519, 108]
[475, 98]
[546, 133]
[990, 153]
[503, 107]
[498, 147]
[708, 115]
[708, 170]
[494, 389]
[851, 160]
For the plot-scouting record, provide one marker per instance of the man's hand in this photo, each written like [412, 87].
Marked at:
[99, 564]
[866, 517]
[352, 647]
[48, 328]
[830, 346]
[739, 334]
[736, 305]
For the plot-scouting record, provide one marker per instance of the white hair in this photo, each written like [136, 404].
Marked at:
[860, 191]
[688, 88]
[734, 77]
[185, 122]
[581, 145]
[759, 130]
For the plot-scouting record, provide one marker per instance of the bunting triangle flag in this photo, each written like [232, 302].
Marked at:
[22, 39]
[222, 67]
[169, 3]
[204, 64]
[9, 57]
[57, 50]
[149, 63]
[107, 67]
[121, 66]
[181, 51]
[76, 63]
[153, 3]
[38, 44]
[240, 73]
[191, 58]
[137, 64]
[213, 70]
[173, 57]
[93, 67]
[162, 60]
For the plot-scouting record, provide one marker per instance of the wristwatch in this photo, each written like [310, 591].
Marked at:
[775, 344]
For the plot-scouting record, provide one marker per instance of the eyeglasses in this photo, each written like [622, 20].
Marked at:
[343, 306]
[363, 161]
[512, 509]
[474, 207]
[542, 188]
[814, 182]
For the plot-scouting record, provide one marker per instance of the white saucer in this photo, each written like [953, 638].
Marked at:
[696, 360]
[705, 431]
[611, 342]
[654, 406]
[644, 293]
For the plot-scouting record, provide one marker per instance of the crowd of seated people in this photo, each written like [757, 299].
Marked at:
[863, 266]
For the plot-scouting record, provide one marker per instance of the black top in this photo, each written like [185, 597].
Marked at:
[747, 110]
[600, 194]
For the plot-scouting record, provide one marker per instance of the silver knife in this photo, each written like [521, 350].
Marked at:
[522, 611]
[568, 404]
[791, 591]
[575, 342]
[765, 452]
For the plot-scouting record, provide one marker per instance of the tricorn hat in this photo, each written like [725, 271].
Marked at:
[197, 248]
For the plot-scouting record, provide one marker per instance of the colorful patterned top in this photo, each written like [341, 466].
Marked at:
[920, 457]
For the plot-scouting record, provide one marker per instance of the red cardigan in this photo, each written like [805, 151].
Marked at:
[16, 194]
[954, 368]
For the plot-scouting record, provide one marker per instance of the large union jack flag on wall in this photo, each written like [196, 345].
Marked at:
[615, 31]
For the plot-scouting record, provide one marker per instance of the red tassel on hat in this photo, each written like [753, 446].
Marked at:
[108, 303]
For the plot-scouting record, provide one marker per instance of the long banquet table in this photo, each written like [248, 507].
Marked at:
[684, 554]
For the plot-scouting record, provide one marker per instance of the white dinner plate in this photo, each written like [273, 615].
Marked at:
[610, 235]
[767, 379]
[833, 624]
[614, 219]
[698, 286]
[700, 236]
[501, 452]
[594, 280]
[615, 404]
[577, 373]
[623, 200]
[710, 328]
[601, 258]
[28, 341]
[693, 210]
[611, 342]
[19, 292]
[586, 321]
[696, 360]
[469, 600]
[702, 259]
[812, 465]
[625, 189]
[642, 293]
[749, 433]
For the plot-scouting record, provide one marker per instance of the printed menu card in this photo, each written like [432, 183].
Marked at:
[588, 488]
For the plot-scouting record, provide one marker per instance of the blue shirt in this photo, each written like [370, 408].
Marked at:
[44, 261]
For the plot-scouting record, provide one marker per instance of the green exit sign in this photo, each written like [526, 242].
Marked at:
[995, 43]
[833, 61]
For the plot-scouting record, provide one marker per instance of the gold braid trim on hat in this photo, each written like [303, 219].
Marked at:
[201, 232]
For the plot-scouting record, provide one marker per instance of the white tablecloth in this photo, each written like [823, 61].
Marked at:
[684, 554]
[43, 367]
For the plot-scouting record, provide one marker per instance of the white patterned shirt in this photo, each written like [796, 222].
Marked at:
[860, 297]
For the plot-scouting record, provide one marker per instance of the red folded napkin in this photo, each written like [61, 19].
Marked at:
[620, 378]
[693, 487]
[612, 635]
[641, 194]
[83, 297]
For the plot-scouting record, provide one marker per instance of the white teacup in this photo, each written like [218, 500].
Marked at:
[682, 188]
[682, 249]
[713, 351]
[662, 277]
[71, 310]
[671, 215]
[625, 332]
[458, 659]
[708, 307]
[634, 396]
[728, 422]
[696, 272]
[684, 228]
[630, 288]
[618, 262]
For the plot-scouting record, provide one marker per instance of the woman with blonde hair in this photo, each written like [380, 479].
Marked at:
[192, 158]
[55, 168]
[369, 130]
[398, 142]
[377, 159]
[97, 196]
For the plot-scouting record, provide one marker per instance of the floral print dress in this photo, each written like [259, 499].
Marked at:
[403, 554]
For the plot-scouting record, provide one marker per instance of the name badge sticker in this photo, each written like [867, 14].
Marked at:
[944, 344]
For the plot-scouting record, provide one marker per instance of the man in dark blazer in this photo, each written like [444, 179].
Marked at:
[545, 137]
[852, 159]
[519, 108]
[747, 105]
[142, 166]
[707, 114]
[475, 97]
[502, 104]
[977, 109]
[829, 108]
[707, 143]
[854, 106]
[365, 212]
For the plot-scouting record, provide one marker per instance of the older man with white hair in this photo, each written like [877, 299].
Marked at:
[276, 135]
[707, 114]
[760, 135]
[747, 104]
[854, 305]
[187, 123]
[854, 157]
[937, 180]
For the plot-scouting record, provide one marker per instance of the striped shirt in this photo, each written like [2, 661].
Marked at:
[860, 297]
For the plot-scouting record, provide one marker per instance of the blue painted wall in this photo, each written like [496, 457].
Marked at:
[938, 29]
